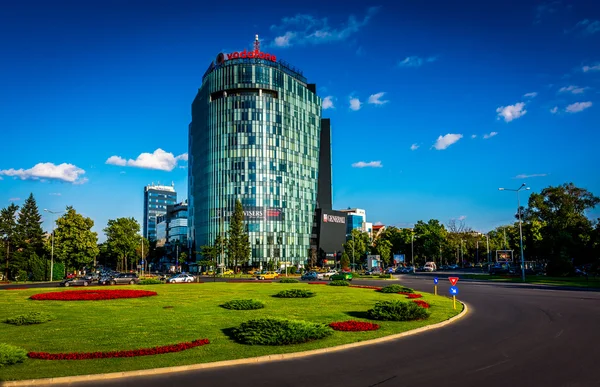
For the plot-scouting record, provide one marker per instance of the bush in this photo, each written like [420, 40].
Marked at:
[150, 281]
[339, 283]
[397, 311]
[58, 272]
[30, 318]
[11, 355]
[243, 304]
[276, 331]
[396, 289]
[295, 293]
[288, 281]
[385, 276]
[21, 276]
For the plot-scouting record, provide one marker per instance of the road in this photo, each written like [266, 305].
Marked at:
[513, 335]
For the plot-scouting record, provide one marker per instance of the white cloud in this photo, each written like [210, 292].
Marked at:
[370, 164]
[55, 194]
[462, 217]
[375, 99]
[355, 104]
[523, 176]
[511, 112]
[444, 142]
[572, 89]
[586, 27]
[14, 199]
[533, 94]
[64, 172]
[578, 106]
[490, 135]
[595, 67]
[415, 61]
[554, 110]
[328, 102]
[473, 136]
[414, 147]
[161, 160]
[305, 29]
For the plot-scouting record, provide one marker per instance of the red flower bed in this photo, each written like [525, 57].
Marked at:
[354, 326]
[131, 353]
[366, 287]
[422, 304]
[413, 295]
[317, 283]
[91, 295]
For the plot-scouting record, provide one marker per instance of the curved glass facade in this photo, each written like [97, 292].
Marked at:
[254, 136]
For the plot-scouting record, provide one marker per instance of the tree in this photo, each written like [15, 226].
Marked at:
[238, 244]
[29, 228]
[312, 257]
[8, 233]
[429, 238]
[75, 243]
[384, 248]
[122, 239]
[345, 261]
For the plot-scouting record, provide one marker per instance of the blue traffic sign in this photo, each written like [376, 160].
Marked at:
[142, 262]
[453, 290]
[435, 280]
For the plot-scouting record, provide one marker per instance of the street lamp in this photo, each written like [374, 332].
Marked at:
[52, 251]
[520, 224]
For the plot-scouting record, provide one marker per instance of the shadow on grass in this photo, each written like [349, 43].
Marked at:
[230, 333]
[358, 315]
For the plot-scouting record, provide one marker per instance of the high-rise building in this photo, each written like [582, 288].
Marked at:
[156, 200]
[172, 227]
[255, 136]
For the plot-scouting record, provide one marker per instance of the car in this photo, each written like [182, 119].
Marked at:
[267, 275]
[120, 279]
[228, 272]
[74, 282]
[310, 276]
[343, 276]
[180, 278]
[329, 274]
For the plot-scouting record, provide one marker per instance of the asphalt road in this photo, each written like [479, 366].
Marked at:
[513, 335]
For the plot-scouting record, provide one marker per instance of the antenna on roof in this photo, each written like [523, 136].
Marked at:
[256, 43]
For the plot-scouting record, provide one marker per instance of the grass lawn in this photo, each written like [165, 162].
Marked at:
[193, 313]
[592, 282]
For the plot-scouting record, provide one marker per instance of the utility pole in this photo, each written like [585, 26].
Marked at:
[487, 238]
[477, 258]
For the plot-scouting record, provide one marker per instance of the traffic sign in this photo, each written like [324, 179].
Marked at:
[435, 280]
[453, 290]
[453, 280]
[142, 262]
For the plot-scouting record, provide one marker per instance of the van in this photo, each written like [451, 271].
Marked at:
[430, 266]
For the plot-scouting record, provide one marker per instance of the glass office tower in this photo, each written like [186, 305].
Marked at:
[156, 200]
[255, 136]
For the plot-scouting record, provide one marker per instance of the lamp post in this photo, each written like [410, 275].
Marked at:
[412, 249]
[520, 224]
[462, 256]
[52, 250]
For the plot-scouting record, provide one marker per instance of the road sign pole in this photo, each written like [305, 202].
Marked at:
[435, 290]
[454, 301]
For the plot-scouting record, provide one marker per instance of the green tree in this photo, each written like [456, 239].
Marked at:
[75, 243]
[312, 257]
[238, 244]
[29, 228]
[384, 249]
[8, 233]
[345, 261]
[122, 239]
[429, 239]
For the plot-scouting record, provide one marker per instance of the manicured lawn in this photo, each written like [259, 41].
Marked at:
[591, 282]
[182, 312]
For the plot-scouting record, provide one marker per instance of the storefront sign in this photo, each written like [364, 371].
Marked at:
[334, 219]
[245, 55]
[254, 213]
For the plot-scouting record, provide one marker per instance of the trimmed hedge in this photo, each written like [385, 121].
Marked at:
[396, 289]
[295, 293]
[243, 304]
[339, 283]
[288, 281]
[150, 281]
[30, 318]
[278, 331]
[386, 276]
[397, 311]
[10, 354]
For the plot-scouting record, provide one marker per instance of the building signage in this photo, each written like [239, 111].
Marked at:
[254, 213]
[398, 258]
[245, 55]
[334, 219]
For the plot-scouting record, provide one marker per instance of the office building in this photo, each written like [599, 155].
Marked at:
[172, 227]
[357, 220]
[156, 200]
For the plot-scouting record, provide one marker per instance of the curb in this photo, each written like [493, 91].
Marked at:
[229, 363]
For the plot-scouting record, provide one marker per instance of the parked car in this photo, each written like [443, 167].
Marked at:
[179, 278]
[74, 282]
[310, 276]
[267, 275]
[347, 276]
[120, 279]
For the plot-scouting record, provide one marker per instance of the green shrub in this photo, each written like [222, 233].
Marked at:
[339, 283]
[30, 318]
[58, 272]
[277, 331]
[243, 304]
[288, 281]
[11, 355]
[397, 311]
[21, 276]
[295, 293]
[396, 289]
[150, 281]
[385, 276]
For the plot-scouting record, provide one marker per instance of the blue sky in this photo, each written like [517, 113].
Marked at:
[434, 104]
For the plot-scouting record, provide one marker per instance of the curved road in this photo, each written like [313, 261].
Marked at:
[513, 335]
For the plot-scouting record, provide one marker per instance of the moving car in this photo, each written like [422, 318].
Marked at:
[329, 274]
[310, 276]
[267, 275]
[180, 278]
[75, 282]
[120, 279]
[346, 276]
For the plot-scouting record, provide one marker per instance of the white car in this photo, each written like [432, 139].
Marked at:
[328, 274]
[181, 278]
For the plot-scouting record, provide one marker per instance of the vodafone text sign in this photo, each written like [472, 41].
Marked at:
[246, 55]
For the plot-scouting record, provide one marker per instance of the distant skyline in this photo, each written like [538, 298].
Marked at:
[433, 104]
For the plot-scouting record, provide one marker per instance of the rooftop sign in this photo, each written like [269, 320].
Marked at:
[256, 54]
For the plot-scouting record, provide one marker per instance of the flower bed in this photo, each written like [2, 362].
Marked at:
[91, 295]
[130, 353]
[413, 295]
[354, 326]
[422, 304]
